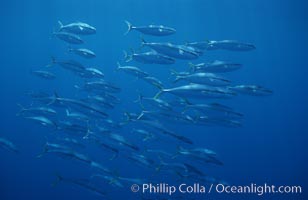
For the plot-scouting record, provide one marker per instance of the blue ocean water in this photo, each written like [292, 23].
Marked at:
[268, 148]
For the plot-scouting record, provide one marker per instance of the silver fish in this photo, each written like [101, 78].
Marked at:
[112, 180]
[156, 30]
[172, 50]
[150, 57]
[36, 110]
[203, 78]
[55, 99]
[71, 65]
[76, 115]
[231, 45]
[8, 145]
[43, 120]
[85, 53]
[153, 81]
[44, 74]
[198, 91]
[216, 66]
[91, 72]
[83, 183]
[101, 85]
[68, 37]
[80, 28]
[135, 71]
[253, 90]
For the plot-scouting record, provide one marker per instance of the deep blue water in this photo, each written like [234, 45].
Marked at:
[270, 147]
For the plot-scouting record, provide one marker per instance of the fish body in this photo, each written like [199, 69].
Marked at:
[36, 110]
[216, 66]
[156, 30]
[70, 65]
[55, 99]
[172, 50]
[198, 91]
[8, 145]
[43, 120]
[231, 45]
[150, 57]
[153, 81]
[135, 71]
[79, 28]
[70, 38]
[203, 45]
[204, 78]
[253, 90]
[44, 74]
[101, 85]
[91, 72]
[85, 53]
[83, 183]
[76, 115]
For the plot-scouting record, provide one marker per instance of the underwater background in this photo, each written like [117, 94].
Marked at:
[270, 147]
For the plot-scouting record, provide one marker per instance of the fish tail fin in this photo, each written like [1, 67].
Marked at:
[132, 50]
[56, 95]
[143, 42]
[69, 48]
[87, 135]
[45, 149]
[119, 66]
[176, 74]
[141, 114]
[128, 117]
[159, 93]
[147, 137]
[21, 109]
[67, 112]
[127, 57]
[89, 132]
[160, 165]
[115, 155]
[186, 105]
[52, 63]
[180, 148]
[53, 98]
[59, 178]
[60, 24]
[177, 153]
[173, 72]
[158, 168]
[192, 67]
[140, 97]
[129, 27]
[186, 101]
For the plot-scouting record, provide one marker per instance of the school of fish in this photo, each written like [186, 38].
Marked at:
[138, 138]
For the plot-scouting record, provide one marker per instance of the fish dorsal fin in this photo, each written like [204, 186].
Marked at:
[56, 94]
